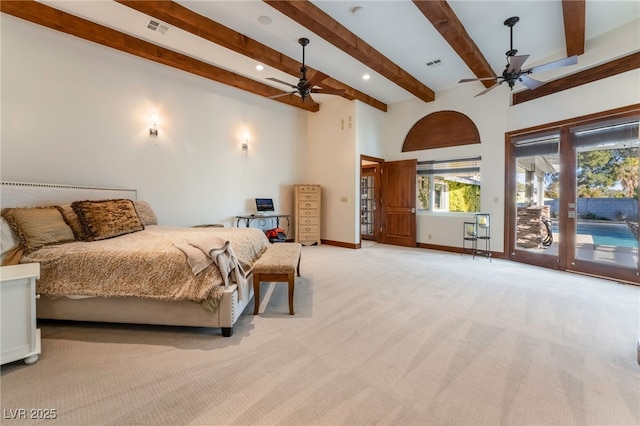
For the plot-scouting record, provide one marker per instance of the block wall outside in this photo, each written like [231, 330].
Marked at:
[602, 208]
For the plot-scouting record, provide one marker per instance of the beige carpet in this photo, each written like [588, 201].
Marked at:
[381, 335]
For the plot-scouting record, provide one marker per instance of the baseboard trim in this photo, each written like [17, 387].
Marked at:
[341, 244]
[495, 255]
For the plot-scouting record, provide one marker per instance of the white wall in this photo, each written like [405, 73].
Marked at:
[369, 141]
[613, 92]
[488, 112]
[330, 163]
[338, 134]
[74, 112]
[494, 117]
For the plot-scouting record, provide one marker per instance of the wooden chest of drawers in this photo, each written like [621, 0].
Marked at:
[307, 214]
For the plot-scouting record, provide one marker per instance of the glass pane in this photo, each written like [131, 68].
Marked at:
[449, 186]
[607, 194]
[367, 205]
[537, 194]
[423, 191]
[440, 192]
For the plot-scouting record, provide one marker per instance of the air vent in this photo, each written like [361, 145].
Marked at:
[434, 63]
[157, 26]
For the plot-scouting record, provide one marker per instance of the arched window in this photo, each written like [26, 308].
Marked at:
[441, 129]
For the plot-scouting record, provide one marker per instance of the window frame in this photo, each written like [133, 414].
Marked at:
[437, 171]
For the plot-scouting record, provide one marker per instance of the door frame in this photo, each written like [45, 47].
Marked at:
[377, 185]
[566, 250]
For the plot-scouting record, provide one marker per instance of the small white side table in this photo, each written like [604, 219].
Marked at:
[19, 337]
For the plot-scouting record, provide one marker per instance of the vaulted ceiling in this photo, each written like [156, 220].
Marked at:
[409, 49]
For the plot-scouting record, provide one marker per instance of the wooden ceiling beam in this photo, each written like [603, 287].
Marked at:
[574, 15]
[181, 17]
[443, 18]
[50, 17]
[313, 18]
[589, 75]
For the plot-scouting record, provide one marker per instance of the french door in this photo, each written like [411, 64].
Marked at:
[369, 189]
[572, 195]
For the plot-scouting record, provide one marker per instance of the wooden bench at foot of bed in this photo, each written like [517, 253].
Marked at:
[279, 263]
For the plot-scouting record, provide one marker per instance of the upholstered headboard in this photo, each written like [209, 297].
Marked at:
[24, 194]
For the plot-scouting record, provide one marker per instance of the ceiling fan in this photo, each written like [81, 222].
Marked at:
[305, 87]
[513, 71]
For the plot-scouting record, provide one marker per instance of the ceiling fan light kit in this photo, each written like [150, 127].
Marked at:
[513, 71]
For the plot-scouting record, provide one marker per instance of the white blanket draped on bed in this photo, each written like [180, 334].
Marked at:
[201, 251]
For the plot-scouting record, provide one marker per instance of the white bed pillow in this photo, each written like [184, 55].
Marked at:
[7, 238]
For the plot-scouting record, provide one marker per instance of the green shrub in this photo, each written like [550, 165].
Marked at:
[463, 197]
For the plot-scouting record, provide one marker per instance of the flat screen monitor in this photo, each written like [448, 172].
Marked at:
[264, 205]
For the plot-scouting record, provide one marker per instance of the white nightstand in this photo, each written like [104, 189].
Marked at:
[19, 337]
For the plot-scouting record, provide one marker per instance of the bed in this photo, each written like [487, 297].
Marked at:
[114, 263]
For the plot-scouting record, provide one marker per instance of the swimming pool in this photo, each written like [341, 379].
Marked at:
[607, 234]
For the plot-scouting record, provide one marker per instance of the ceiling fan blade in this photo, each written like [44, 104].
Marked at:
[281, 82]
[515, 63]
[530, 82]
[317, 78]
[488, 89]
[571, 60]
[328, 91]
[279, 95]
[466, 80]
[309, 98]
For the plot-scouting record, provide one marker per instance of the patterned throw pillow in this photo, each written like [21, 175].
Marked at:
[104, 219]
[37, 227]
[73, 221]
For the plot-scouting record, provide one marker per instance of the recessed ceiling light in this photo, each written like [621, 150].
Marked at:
[264, 20]
[259, 67]
[366, 77]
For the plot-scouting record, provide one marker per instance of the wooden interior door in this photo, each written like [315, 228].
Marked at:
[398, 203]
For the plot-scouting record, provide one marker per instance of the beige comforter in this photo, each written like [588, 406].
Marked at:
[143, 264]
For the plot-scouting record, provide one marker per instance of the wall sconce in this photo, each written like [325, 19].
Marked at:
[153, 130]
[245, 144]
